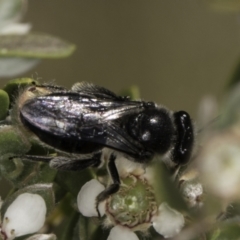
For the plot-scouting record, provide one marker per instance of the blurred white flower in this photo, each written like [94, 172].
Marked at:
[131, 209]
[10, 66]
[220, 165]
[15, 28]
[11, 12]
[168, 222]
[25, 215]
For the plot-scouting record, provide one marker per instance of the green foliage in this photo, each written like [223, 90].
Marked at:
[15, 85]
[34, 45]
[4, 100]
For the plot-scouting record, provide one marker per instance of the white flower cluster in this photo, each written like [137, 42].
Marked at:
[166, 221]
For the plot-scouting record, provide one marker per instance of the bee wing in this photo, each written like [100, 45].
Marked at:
[78, 117]
[96, 91]
[79, 109]
[119, 139]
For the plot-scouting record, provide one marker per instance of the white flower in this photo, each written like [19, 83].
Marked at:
[220, 166]
[11, 12]
[121, 233]
[86, 199]
[131, 209]
[15, 28]
[168, 222]
[25, 215]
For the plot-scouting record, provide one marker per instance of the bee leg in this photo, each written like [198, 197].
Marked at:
[114, 187]
[64, 163]
[33, 158]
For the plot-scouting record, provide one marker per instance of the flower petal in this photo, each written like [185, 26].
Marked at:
[169, 222]
[25, 215]
[122, 233]
[86, 199]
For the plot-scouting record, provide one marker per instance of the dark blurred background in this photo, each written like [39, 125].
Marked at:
[175, 51]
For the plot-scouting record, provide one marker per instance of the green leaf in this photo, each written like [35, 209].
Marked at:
[12, 141]
[73, 181]
[89, 228]
[132, 92]
[69, 226]
[21, 173]
[228, 232]
[230, 109]
[81, 230]
[235, 78]
[42, 237]
[4, 100]
[13, 86]
[34, 45]
[165, 189]
[100, 233]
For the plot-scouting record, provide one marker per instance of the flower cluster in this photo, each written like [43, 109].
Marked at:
[133, 208]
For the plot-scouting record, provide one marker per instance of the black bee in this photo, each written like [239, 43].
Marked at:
[88, 118]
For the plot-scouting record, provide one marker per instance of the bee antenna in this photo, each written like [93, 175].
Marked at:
[209, 124]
